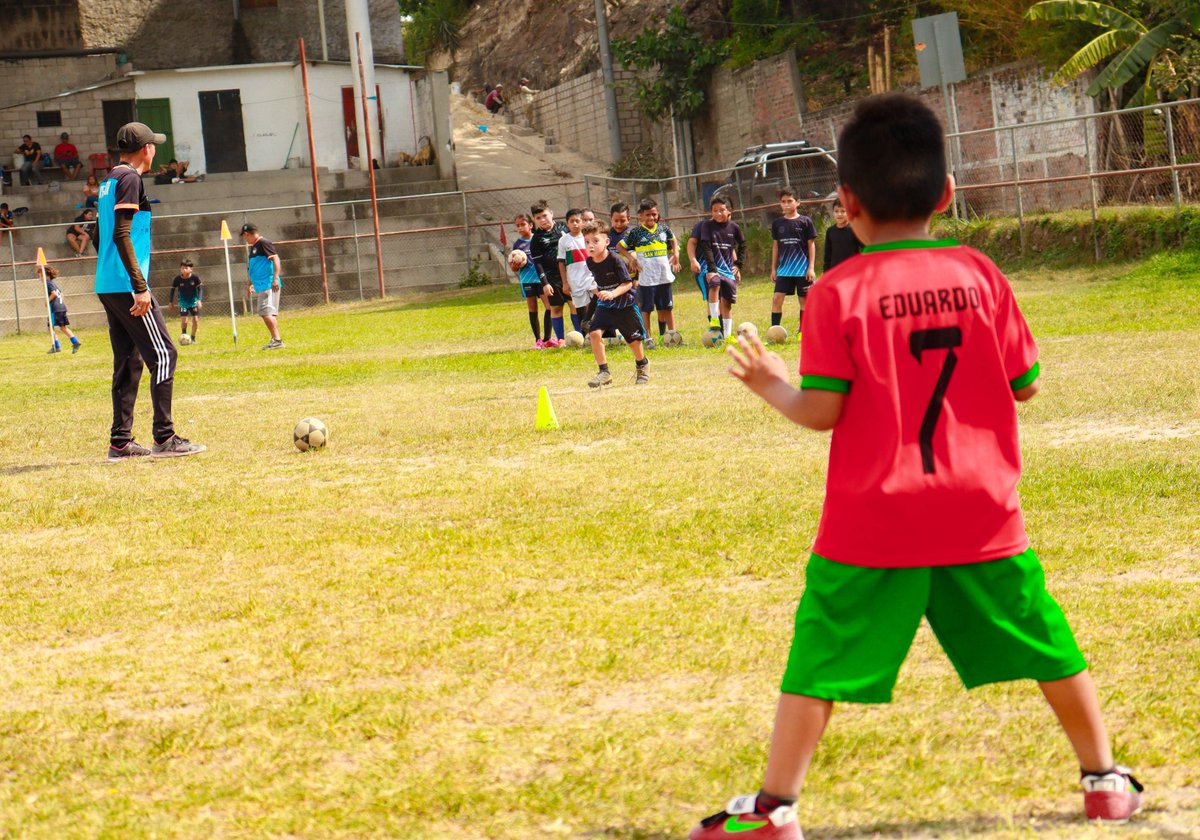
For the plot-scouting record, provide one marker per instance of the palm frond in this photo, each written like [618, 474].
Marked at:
[1095, 51]
[1088, 11]
[1138, 57]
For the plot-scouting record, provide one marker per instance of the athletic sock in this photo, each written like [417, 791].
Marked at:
[662, 328]
[714, 310]
[533, 325]
[546, 326]
[776, 317]
[800, 322]
[558, 326]
[604, 367]
[727, 326]
[642, 362]
[74, 340]
[765, 803]
[576, 322]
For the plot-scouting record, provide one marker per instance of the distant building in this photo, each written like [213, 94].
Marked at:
[220, 78]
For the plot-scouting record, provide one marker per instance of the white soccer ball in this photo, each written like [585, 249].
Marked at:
[517, 259]
[747, 329]
[185, 339]
[777, 334]
[673, 338]
[574, 338]
[310, 433]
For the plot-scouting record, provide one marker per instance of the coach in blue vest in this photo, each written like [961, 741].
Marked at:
[136, 327]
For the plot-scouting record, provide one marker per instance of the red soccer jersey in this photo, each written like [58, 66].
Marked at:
[926, 341]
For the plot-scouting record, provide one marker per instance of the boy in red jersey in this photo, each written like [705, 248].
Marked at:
[915, 355]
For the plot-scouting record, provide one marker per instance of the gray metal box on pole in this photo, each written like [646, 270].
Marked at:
[939, 50]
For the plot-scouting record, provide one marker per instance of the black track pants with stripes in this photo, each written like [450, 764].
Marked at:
[137, 343]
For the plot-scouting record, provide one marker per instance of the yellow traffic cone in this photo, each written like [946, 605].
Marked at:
[545, 411]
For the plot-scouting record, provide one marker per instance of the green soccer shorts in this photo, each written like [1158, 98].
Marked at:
[995, 620]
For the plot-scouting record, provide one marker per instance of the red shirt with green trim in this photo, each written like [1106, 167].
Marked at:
[926, 341]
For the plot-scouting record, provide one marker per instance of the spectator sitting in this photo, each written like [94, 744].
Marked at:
[67, 156]
[6, 217]
[495, 99]
[31, 169]
[91, 191]
[173, 172]
[82, 232]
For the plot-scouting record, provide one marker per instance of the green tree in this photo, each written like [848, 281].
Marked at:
[434, 25]
[677, 63]
[1133, 48]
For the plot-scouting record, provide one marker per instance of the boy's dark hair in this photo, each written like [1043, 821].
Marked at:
[522, 216]
[717, 199]
[619, 207]
[837, 202]
[787, 191]
[647, 204]
[892, 155]
[187, 262]
[596, 227]
[574, 211]
[4, 206]
[539, 206]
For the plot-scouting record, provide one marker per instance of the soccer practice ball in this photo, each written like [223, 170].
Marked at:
[517, 259]
[711, 338]
[574, 338]
[747, 329]
[185, 339]
[310, 433]
[777, 334]
[672, 338]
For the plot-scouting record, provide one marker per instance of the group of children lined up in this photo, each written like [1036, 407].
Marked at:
[576, 265]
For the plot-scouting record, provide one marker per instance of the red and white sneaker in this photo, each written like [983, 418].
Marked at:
[1111, 797]
[739, 818]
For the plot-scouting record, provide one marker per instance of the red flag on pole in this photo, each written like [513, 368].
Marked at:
[503, 236]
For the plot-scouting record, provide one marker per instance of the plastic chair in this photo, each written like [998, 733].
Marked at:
[100, 162]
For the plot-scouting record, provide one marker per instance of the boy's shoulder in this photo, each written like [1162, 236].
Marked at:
[895, 259]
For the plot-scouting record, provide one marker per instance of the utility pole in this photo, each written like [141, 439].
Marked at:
[610, 88]
[358, 19]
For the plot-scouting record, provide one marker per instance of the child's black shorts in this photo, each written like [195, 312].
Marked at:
[557, 296]
[185, 311]
[626, 320]
[792, 286]
[531, 290]
[61, 320]
[656, 297]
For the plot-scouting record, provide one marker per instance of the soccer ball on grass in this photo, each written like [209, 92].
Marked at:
[185, 339]
[747, 329]
[777, 334]
[672, 338]
[310, 433]
[574, 338]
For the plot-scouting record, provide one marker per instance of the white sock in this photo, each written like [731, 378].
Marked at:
[727, 326]
[714, 309]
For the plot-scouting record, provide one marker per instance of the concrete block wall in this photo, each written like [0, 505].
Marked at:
[27, 79]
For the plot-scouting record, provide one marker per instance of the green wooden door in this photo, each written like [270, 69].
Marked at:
[156, 113]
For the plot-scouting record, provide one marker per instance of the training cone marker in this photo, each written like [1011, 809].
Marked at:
[545, 411]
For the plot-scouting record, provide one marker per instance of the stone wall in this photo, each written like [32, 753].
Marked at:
[161, 34]
[26, 79]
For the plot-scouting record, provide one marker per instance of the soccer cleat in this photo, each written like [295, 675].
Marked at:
[75, 346]
[132, 449]
[739, 818]
[54, 349]
[555, 343]
[539, 344]
[731, 339]
[175, 447]
[601, 379]
[714, 323]
[1111, 797]
[273, 344]
[649, 343]
[643, 376]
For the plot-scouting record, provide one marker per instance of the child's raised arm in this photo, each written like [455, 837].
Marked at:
[765, 373]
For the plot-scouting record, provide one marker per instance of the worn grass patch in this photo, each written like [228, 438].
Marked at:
[449, 625]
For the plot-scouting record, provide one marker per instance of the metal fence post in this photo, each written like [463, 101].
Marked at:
[1171, 151]
[1091, 160]
[357, 258]
[662, 199]
[467, 263]
[12, 248]
[1012, 138]
[587, 191]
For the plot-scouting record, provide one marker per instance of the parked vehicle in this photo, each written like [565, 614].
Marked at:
[762, 171]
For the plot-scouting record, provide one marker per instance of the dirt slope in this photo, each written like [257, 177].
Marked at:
[552, 41]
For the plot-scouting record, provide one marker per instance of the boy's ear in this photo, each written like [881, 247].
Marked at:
[947, 195]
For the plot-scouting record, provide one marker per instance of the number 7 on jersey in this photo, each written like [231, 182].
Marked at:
[942, 338]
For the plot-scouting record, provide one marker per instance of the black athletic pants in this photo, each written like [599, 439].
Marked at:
[138, 343]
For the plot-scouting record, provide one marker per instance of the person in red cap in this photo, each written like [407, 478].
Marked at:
[136, 328]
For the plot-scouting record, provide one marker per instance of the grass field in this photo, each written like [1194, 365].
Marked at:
[449, 625]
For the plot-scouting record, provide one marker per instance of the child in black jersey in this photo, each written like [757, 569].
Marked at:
[616, 306]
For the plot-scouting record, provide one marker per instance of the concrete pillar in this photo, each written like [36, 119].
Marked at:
[358, 19]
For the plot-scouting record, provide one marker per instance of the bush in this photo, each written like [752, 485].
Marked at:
[475, 276]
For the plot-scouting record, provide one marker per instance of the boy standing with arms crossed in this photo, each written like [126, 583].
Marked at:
[793, 257]
[616, 306]
[187, 283]
[915, 356]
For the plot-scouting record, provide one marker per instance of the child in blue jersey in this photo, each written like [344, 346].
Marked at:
[191, 290]
[715, 252]
[530, 280]
[793, 256]
[58, 310]
[266, 280]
